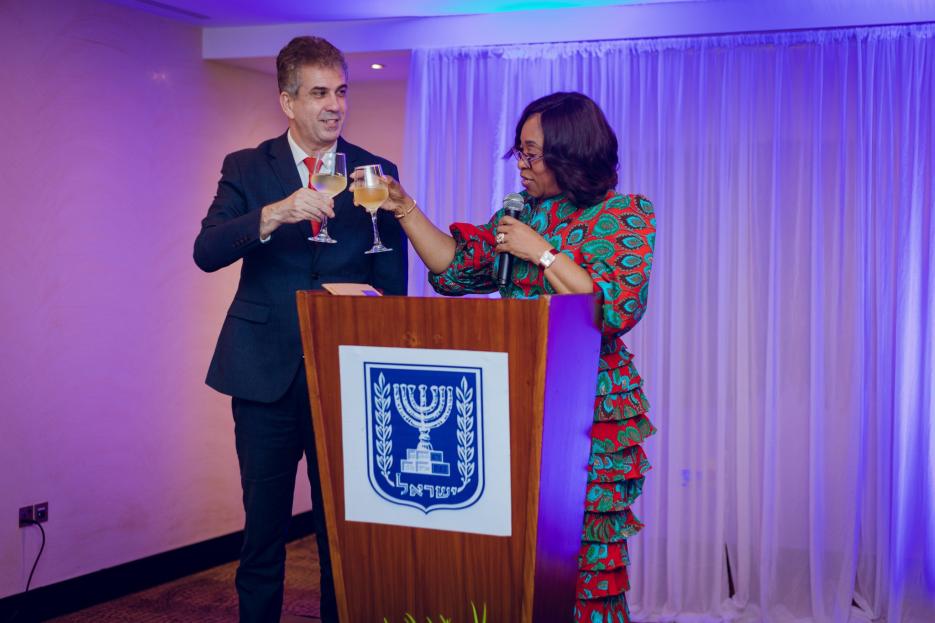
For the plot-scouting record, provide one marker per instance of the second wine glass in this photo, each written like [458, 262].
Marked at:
[370, 191]
[330, 178]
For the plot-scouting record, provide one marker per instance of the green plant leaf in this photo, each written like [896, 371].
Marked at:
[483, 617]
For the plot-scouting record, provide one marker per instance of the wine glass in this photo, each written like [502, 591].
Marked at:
[370, 191]
[330, 178]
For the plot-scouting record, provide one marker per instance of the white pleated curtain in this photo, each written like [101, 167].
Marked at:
[787, 349]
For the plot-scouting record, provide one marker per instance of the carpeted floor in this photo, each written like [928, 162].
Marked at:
[209, 596]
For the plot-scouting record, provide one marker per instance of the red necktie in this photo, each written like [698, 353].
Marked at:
[312, 163]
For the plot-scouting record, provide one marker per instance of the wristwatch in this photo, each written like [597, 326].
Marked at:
[547, 257]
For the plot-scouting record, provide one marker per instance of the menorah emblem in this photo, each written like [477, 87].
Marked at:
[425, 432]
[423, 414]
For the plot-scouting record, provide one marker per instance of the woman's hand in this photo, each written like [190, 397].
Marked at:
[520, 240]
[523, 242]
[398, 201]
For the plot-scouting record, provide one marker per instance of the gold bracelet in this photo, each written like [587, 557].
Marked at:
[402, 215]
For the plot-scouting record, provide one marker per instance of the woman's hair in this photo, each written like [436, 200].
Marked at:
[580, 148]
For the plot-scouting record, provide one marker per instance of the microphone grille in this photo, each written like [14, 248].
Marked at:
[513, 201]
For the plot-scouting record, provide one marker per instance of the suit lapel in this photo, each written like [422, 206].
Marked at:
[354, 159]
[284, 166]
[280, 159]
[352, 154]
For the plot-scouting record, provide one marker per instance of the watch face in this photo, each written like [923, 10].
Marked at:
[547, 258]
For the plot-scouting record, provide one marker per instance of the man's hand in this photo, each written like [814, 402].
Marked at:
[304, 204]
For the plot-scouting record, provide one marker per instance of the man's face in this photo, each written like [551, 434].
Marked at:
[316, 113]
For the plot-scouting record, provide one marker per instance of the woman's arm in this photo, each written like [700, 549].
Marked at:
[567, 277]
[435, 247]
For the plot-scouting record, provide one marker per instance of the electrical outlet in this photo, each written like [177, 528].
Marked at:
[35, 513]
[27, 515]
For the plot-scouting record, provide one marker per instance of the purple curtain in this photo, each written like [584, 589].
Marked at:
[788, 348]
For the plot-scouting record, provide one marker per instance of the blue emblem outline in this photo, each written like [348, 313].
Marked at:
[479, 427]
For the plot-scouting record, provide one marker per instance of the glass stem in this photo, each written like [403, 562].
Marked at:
[376, 234]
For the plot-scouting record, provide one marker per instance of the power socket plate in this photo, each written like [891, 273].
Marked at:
[27, 515]
[34, 513]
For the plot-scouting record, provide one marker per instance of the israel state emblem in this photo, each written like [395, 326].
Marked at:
[425, 434]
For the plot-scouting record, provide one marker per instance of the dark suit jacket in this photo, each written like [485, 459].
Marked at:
[259, 349]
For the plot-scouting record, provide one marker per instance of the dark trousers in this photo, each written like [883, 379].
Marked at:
[271, 438]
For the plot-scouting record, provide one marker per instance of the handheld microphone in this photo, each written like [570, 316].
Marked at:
[512, 206]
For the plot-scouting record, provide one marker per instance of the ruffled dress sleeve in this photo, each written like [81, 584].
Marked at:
[619, 257]
[473, 269]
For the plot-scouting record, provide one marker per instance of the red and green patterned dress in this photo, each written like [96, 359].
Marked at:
[613, 241]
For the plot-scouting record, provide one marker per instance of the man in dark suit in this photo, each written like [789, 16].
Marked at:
[263, 214]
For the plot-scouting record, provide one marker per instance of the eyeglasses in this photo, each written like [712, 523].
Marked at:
[525, 158]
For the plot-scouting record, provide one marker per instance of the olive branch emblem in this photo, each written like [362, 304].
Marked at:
[384, 430]
[465, 404]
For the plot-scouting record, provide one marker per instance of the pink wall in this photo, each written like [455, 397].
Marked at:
[113, 130]
[113, 134]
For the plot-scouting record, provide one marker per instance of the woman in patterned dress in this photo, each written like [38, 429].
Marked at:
[574, 235]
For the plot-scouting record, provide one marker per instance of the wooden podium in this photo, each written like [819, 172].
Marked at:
[386, 571]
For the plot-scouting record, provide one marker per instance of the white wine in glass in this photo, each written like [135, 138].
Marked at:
[329, 184]
[370, 191]
[371, 198]
[330, 178]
